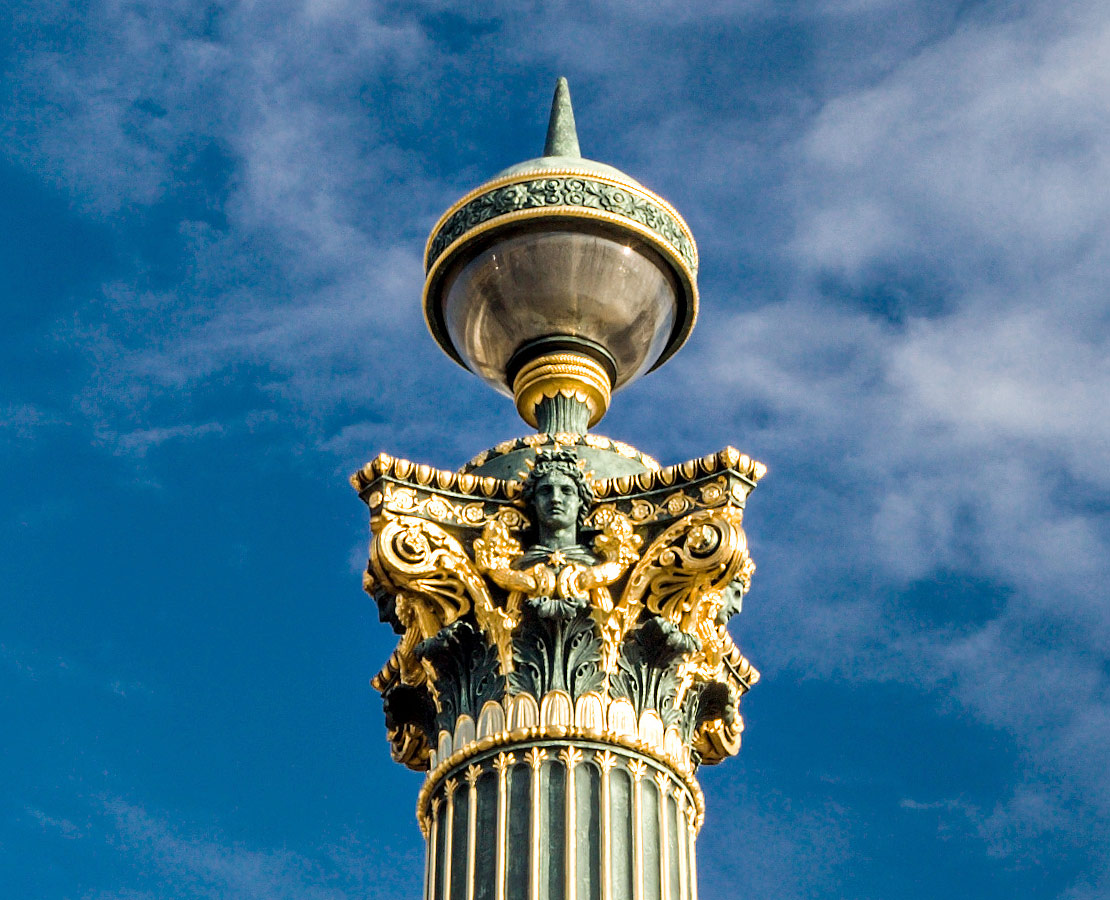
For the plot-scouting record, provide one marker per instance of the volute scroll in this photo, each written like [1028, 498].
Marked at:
[542, 587]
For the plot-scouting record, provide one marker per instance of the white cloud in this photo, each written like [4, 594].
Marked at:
[288, 275]
[935, 440]
[169, 864]
[954, 439]
[985, 147]
[142, 440]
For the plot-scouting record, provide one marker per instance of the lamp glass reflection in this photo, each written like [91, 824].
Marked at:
[616, 292]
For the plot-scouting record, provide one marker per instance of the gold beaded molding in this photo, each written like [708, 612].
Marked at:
[422, 475]
[570, 374]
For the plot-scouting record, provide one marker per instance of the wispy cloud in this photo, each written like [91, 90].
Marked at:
[168, 864]
[24, 422]
[935, 382]
[140, 441]
[778, 848]
[36, 666]
[968, 434]
[904, 228]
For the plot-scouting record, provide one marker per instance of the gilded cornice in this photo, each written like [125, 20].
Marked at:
[466, 485]
[634, 608]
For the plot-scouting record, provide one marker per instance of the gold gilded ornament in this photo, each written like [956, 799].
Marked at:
[432, 579]
[701, 553]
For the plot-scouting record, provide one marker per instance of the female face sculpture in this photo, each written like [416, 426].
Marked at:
[560, 497]
[557, 503]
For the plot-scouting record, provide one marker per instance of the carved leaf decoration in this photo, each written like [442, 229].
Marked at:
[617, 542]
[496, 548]
[466, 670]
[647, 672]
[692, 576]
[556, 648]
[532, 659]
[583, 658]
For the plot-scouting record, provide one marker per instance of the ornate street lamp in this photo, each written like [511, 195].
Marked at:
[561, 600]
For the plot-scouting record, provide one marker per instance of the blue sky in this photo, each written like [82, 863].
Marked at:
[210, 274]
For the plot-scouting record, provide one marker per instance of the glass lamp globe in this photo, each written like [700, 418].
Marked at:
[609, 293]
[563, 272]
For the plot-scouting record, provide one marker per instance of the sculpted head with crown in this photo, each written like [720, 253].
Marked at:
[560, 497]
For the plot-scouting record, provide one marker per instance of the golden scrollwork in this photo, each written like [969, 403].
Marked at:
[494, 551]
[455, 546]
[438, 507]
[617, 546]
[408, 746]
[716, 740]
[700, 554]
[433, 581]
[687, 576]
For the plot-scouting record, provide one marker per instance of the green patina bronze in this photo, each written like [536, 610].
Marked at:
[562, 136]
[564, 665]
[609, 800]
[564, 191]
[557, 644]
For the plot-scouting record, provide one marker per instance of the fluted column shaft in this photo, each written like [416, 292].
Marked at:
[558, 820]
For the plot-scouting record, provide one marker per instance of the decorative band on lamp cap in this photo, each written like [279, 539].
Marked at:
[563, 194]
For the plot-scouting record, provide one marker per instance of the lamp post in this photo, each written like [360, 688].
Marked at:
[561, 600]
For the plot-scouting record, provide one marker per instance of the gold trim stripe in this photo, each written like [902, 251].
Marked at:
[448, 839]
[535, 757]
[680, 843]
[605, 762]
[664, 849]
[502, 764]
[637, 769]
[430, 892]
[471, 828]
[570, 757]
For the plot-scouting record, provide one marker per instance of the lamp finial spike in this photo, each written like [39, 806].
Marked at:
[562, 136]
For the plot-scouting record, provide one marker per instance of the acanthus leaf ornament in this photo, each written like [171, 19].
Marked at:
[490, 606]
